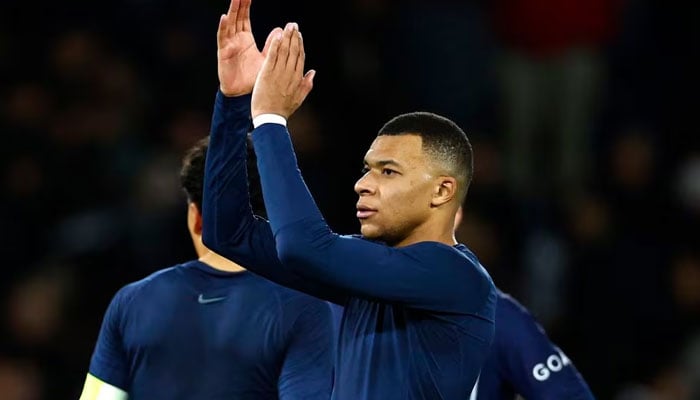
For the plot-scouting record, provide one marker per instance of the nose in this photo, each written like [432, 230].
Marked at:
[364, 186]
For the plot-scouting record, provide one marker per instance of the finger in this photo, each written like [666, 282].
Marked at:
[234, 13]
[283, 52]
[268, 41]
[273, 52]
[243, 21]
[220, 33]
[233, 8]
[301, 58]
[294, 51]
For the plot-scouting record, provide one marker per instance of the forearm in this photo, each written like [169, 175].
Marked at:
[229, 226]
[287, 198]
[226, 211]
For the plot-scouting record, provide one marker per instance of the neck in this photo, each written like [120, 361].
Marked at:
[219, 262]
[429, 234]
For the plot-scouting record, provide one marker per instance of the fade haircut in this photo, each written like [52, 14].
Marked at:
[442, 140]
[192, 175]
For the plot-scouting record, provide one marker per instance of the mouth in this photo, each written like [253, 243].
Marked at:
[364, 212]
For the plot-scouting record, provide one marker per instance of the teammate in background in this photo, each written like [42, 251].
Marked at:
[209, 329]
[419, 309]
[523, 360]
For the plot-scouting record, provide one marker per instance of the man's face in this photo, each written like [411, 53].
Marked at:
[395, 189]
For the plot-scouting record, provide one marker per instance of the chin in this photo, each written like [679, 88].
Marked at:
[369, 232]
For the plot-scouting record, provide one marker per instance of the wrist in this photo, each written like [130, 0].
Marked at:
[228, 92]
[268, 118]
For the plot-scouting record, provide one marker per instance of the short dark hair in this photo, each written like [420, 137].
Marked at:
[192, 175]
[442, 139]
[192, 171]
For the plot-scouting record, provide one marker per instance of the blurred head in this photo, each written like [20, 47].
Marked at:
[416, 174]
[192, 182]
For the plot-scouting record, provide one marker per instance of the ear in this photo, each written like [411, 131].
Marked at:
[445, 190]
[194, 219]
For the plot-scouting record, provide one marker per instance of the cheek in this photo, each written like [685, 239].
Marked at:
[419, 193]
[410, 198]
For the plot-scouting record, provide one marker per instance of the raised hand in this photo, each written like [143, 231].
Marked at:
[281, 85]
[239, 59]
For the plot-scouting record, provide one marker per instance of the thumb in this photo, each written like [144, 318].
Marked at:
[308, 80]
[307, 83]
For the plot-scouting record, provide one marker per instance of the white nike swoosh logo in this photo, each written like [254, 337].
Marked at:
[202, 300]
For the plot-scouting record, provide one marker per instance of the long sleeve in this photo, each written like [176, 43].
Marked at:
[426, 275]
[229, 226]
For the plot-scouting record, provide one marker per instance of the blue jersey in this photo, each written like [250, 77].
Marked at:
[194, 332]
[418, 321]
[524, 361]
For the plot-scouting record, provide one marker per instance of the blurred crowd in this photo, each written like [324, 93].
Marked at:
[585, 203]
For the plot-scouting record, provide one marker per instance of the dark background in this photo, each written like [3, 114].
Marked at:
[594, 227]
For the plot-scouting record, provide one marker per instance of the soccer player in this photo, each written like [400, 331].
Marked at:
[419, 309]
[209, 329]
[523, 360]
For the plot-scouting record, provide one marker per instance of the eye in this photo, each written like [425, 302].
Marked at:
[364, 170]
[388, 171]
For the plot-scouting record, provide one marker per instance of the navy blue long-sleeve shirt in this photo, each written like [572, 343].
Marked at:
[194, 332]
[524, 361]
[418, 321]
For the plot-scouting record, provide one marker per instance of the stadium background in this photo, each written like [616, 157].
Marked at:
[98, 101]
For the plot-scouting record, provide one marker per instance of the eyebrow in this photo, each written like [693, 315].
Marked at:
[384, 163]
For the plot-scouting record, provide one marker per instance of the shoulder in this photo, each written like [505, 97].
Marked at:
[154, 278]
[507, 304]
[459, 260]
[511, 310]
[141, 287]
[458, 253]
[514, 322]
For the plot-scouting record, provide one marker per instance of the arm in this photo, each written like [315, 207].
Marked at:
[229, 226]
[426, 275]
[534, 366]
[109, 366]
[307, 372]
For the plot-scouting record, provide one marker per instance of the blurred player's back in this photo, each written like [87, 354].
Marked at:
[194, 332]
[209, 329]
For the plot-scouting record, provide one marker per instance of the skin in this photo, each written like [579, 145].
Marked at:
[403, 197]
[238, 58]
[281, 85]
[214, 260]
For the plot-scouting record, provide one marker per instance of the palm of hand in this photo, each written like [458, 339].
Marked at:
[239, 63]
